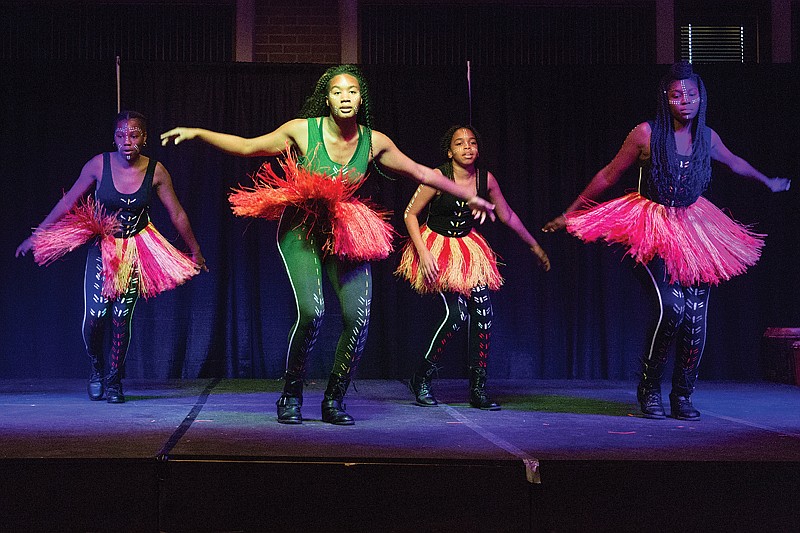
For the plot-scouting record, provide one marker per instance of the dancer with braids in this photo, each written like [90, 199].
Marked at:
[446, 255]
[322, 225]
[128, 257]
[684, 242]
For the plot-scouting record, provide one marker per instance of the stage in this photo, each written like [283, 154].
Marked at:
[208, 455]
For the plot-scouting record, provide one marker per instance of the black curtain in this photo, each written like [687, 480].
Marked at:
[545, 132]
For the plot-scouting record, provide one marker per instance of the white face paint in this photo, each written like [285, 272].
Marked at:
[687, 96]
[683, 97]
[129, 138]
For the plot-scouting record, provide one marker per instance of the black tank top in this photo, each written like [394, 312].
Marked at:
[451, 216]
[132, 209]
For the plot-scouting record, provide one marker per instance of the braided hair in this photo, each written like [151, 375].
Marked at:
[664, 167]
[131, 115]
[315, 105]
[444, 147]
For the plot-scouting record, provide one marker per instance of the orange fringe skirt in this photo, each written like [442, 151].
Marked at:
[464, 263]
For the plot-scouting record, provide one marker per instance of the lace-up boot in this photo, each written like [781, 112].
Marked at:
[291, 400]
[333, 407]
[96, 387]
[477, 390]
[420, 384]
[681, 408]
[114, 392]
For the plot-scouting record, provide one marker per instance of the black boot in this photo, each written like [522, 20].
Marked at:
[332, 406]
[291, 400]
[681, 408]
[420, 384]
[648, 393]
[96, 388]
[114, 392]
[650, 403]
[477, 390]
[684, 376]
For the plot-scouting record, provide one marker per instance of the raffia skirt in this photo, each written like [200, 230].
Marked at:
[160, 266]
[698, 243]
[353, 228]
[464, 263]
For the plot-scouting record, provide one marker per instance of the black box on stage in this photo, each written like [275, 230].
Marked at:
[780, 355]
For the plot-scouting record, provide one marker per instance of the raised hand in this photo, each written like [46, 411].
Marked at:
[177, 135]
[779, 184]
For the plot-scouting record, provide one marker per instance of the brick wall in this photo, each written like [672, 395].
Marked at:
[299, 31]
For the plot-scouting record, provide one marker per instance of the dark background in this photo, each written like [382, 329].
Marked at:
[546, 131]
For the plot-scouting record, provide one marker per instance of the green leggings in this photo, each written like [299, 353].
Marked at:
[300, 245]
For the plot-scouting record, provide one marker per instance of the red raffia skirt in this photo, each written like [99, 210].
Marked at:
[354, 229]
[159, 264]
[698, 243]
[464, 263]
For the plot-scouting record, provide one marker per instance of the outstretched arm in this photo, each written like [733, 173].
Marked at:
[421, 198]
[162, 182]
[636, 143]
[508, 217]
[88, 178]
[292, 133]
[740, 167]
[388, 155]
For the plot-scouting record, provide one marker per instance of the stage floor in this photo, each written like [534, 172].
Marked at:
[583, 439]
[546, 420]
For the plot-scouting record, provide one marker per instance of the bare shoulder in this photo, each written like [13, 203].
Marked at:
[641, 133]
[296, 125]
[95, 162]
[381, 141]
[94, 167]
[160, 173]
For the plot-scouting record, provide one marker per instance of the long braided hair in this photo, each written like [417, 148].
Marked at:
[315, 105]
[444, 147]
[664, 167]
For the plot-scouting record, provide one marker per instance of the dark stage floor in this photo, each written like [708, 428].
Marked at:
[560, 456]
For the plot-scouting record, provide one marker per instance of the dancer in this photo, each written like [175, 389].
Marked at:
[446, 255]
[128, 257]
[322, 225]
[684, 242]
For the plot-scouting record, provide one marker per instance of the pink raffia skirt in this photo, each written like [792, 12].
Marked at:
[464, 263]
[159, 264]
[354, 229]
[698, 243]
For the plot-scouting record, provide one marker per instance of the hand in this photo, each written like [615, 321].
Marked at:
[480, 208]
[199, 261]
[25, 247]
[178, 135]
[558, 223]
[429, 267]
[779, 184]
[540, 254]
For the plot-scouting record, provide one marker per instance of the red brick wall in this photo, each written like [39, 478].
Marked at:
[298, 31]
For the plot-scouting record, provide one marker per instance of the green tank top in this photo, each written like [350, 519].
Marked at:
[318, 160]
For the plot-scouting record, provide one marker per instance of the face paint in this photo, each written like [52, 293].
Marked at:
[129, 136]
[126, 131]
[684, 96]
